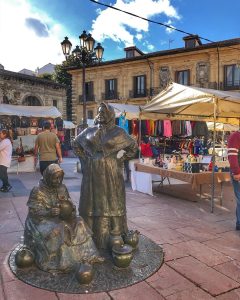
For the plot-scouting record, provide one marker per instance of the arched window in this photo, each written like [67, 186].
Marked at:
[32, 101]
[5, 100]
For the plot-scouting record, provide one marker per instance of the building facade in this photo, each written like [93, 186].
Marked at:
[22, 89]
[136, 78]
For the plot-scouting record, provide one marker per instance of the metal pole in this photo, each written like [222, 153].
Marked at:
[84, 97]
[139, 136]
[213, 154]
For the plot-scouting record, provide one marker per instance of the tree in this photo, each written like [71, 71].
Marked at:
[47, 76]
[63, 77]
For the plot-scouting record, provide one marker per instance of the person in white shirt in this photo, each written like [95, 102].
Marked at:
[5, 159]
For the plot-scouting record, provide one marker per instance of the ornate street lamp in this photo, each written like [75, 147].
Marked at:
[82, 56]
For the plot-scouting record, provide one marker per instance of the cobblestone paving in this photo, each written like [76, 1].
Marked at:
[202, 249]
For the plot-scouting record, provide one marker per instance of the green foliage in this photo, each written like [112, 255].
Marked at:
[61, 75]
[46, 76]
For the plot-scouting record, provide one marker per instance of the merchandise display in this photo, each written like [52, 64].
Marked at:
[23, 131]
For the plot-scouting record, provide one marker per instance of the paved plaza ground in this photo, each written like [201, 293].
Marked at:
[202, 249]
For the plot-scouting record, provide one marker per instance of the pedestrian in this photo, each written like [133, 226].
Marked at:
[47, 146]
[5, 159]
[234, 161]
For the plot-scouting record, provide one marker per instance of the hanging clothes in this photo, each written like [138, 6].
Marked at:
[167, 128]
[188, 128]
[123, 123]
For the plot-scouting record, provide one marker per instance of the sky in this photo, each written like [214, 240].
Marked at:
[31, 30]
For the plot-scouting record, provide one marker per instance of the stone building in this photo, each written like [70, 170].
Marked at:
[22, 89]
[138, 77]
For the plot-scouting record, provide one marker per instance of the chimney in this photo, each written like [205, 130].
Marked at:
[192, 41]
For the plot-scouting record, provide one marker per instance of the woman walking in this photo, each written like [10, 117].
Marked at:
[5, 159]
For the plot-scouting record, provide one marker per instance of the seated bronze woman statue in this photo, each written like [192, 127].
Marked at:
[57, 237]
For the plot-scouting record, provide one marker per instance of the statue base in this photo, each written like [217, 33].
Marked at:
[148, 258]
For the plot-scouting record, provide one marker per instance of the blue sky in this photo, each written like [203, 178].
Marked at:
[31, 30]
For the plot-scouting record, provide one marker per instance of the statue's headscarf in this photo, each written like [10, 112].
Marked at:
[110, 114]
[50, 171]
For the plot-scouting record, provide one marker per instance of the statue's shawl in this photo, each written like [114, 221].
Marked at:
[109, 139]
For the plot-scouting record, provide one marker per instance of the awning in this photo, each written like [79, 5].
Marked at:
[30, 111]
[68, 125]
[222, 127]
[184, 102]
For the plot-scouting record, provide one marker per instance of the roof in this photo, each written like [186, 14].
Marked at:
[218, 44]
[20, 76]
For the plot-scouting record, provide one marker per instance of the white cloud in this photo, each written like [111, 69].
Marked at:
[139, 36]
[169, 30]
[150, 47]
[22, 47]
[114, 25]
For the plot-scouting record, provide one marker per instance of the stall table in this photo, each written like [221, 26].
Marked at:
[194, 179]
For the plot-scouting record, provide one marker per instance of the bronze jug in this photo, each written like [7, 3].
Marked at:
[66, 209]
[122, 255]
[85, 274]
[115, 239]
[131, 238]
[24, 257]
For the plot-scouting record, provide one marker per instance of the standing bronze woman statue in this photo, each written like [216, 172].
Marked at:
[102, 200]
[58, 239]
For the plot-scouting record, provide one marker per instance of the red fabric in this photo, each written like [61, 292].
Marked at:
[146, 150]
[148, 127]
[135, 127]
[233, 150]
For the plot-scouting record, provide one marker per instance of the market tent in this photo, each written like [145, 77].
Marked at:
[183, 102]
[222, 127]
[30, 111]
[131, 111]
[177, 101]
[68, 125]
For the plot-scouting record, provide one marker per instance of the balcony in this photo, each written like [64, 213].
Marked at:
[145, 93]
[89, 98]
[138, 93]
[112, 95]
[231, 85]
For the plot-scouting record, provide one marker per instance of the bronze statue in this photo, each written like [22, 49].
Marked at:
[58, 239]
[103, 201]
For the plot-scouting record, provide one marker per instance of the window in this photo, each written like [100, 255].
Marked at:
[129, 53]
[89, 91]
[139, 86]
[32, 101]
[183, 77]
[90, 114]
[111, 89]
[5, 100]
[232, 76]
[54, 103]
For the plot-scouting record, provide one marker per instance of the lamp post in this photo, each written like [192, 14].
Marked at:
[83, 56]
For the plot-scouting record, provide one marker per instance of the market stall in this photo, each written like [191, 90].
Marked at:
[24, 123]
[179, 102]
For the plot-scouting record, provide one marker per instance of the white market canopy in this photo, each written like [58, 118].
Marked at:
[184, 102]
[68, 124]
[222, 127]
[30, 111]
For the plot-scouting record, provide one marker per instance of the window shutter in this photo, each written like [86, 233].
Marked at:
[188, 74]
[91, 89]
[134, 86]
[115, 88]
[145, 85]
[106, 89]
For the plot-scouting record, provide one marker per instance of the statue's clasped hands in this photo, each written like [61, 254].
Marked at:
[55, 211]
